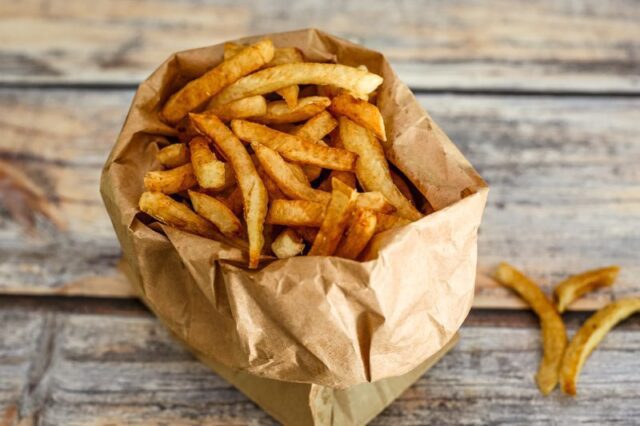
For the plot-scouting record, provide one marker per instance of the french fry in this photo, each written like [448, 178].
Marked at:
[307, 233]
[360, 112]
[171, 212]
[577, 285]
[372, 169]
[335, 220]
[295, 213]
[170, 181]
[253, 106]
[362, 226]
[287, 244]
[317, 127]
[294, 148]
[198, 91]
[374, 201]
[254, 194]
[233, 200]
[389, 221]
[275, 78]
[210, 172]
[278, 112]
[348, 178]
[402, 186]
[174, 155]
[272, 188]
[554, 335]
[217, 213]
[290, 94]
[589, 336]
[278, 169]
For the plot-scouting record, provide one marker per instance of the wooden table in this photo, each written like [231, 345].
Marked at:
[542, 97]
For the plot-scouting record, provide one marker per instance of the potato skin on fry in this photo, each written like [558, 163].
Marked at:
[554, 335]
[577, 285]
[171, 212]
[170, 181]
[361, 112]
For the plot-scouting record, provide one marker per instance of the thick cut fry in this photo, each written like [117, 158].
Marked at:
[275, 78]
[272, 188]
[335, 220]
[374, 201]
[170, 181]
[290, 95]
[171, 212]
[174, 155]
[307, 233]
[254, 194]
[348, 178]
[287, 244]
[360, 112]
[278, 112]
[217, 213]
[233, 201]
[372, 169]
[577, 285]
[197, 92]
[317, 127]
[362, 225]
[278, 169]
[295, 213]
[294, 148]
[589, 336]
[210, 172]
[554, 335]
[253, 106]
[388, 221]
[402, 186]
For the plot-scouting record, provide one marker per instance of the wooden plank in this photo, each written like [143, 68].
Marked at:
[563, 173]
[590, 46]
[127, 369]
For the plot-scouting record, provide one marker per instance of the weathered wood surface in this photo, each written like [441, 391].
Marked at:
[563, 172]
[588, 46]
[68, 368]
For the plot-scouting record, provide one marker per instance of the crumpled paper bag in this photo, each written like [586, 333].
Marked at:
[318, 320]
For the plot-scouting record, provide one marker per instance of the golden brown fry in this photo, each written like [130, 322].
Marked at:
[210, 172]
[233, 200]
[272, 188]
[554, 335]
[275, 78]
[290, 95]
[577, 285]
[287, 244]
[217, 213]
[360, 112]
[279, 112]
[174, 155]
[171, 212]
[317, 127]
[374, 201]
[278, 169]
[307, 233]
[254, 194]
[362, 226]
[294, 148]
[295, 213]
[402, 186]
[335, 220]
[253, 106]
[372, 169]
[589, 336]
[170, 181]
[348, 178]
[388, 221]
[198, 91]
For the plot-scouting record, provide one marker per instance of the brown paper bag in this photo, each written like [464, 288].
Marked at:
[314, 320]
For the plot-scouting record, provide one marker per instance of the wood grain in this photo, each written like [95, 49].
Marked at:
[588, 46]
[99, 369]
[563, 175]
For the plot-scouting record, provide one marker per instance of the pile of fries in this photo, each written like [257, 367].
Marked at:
[279, 156]
[561, 362]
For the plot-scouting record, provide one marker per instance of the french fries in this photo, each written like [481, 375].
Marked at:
[171, 212]
[287, 244]
[389, 221]
[295, 213]
[170, 181]
[362, 226]
[360, 112]
[253, 106]
[197, 92]
[554, 335]
[335, 220]
[372, 169]
[402, 186]
[314, 130]
[589, 336]
[278, 112]
[174, 155]
[210, 172]
[233, 200]
[217, 213]
[577, 285]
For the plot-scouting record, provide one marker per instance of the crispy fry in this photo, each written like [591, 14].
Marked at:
[287, 244]
[275, 78]
[372, 169]
[278, 169]
[174, 155]
[217, 213]
[388, 221]
[294, 148]
[198, 91]
[307, 233]
[290, 95]
[210, 172]
[279, 112]
[254, 194]
[171, 212]
[317, 127]
[360, 112]
[233, 200]
[361, 227]
[554, 335]
[295, 213]
[589, 336]
[253, 106]
[577, 285]
[272, 188]
[374, 201]
[402, 186]
[170, 181]
[335, 220]
[348, 178]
